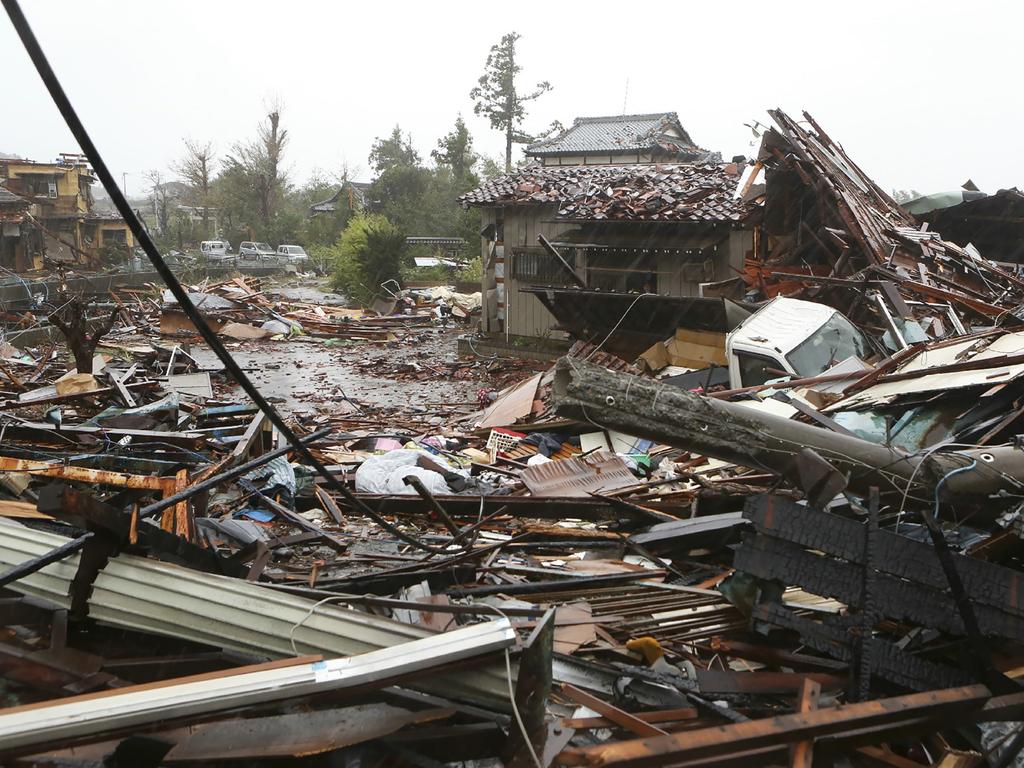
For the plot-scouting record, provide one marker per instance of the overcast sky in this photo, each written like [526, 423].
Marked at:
[921, 94]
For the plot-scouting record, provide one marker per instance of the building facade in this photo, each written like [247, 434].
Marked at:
[670, 230]
[61, 209]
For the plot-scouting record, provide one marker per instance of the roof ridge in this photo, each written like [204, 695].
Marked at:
[626, 118]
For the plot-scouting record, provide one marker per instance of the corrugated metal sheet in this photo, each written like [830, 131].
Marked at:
[600, 471]
[169, 600]
[1008, 345]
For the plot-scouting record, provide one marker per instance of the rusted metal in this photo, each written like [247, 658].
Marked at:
[722, 741]
[87, 475]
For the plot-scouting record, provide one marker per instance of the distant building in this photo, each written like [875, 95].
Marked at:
[351, 194]
[621, 140]
[61, 209]
[621, 229]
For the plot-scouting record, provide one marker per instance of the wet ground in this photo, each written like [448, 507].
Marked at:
[306, 375]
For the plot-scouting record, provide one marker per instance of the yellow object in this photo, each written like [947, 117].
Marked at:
[647, 647]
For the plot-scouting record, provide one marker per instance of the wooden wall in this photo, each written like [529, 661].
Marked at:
[724, 251]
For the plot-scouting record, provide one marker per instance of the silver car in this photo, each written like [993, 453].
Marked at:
[252, 251]
[292, 254]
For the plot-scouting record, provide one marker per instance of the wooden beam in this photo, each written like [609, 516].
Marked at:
[802, 753]
[87, 475]
[726, 740]
[616, 715]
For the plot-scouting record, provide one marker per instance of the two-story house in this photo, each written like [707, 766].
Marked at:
[632, 206]
[60, 194]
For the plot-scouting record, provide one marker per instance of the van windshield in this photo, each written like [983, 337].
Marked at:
[835, 341]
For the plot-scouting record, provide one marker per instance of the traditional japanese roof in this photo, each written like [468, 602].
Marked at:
[359, 188]
[654, 133]
[683, 193]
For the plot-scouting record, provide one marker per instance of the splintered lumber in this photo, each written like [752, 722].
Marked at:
[722, 741]
[888, 661]
[730, 432]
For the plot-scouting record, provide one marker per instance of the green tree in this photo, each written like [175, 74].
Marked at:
[369, 252]
[323, 228]
[455, 150]
[396, 151]
[400, 193]
[497, 97]
[490, 168]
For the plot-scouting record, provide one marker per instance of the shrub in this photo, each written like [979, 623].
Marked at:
[368, 253]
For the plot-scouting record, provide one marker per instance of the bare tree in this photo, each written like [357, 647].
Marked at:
[261, 163]
[82, 336]
[197, 169]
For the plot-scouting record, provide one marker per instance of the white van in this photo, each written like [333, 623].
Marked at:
[216, 250]
[292, 254]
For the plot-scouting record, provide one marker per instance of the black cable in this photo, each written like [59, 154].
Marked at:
[67, 111]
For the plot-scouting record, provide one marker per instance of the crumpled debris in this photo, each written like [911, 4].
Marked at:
[386, 473]
[278, 473]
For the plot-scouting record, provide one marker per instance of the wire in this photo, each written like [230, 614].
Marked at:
[80, 134]
[616, 326]
[945, 477]
[508, 665]
[515, 711]
[512, 693]
[921, 463]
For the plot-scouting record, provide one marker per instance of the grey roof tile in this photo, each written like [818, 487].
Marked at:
[617, 133]
[693, 193]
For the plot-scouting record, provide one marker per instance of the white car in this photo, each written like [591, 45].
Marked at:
[216, 250]
[292, 254]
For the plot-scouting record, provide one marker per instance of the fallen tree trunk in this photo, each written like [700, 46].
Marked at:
[734, 433]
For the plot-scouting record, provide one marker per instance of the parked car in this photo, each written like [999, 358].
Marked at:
[216, 250]
[253, 251]
[292, 254]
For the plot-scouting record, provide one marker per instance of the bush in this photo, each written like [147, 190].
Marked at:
[473, 272]
[368, 253]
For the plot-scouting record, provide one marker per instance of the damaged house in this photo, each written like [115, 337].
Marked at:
[13, 231]
[61, 208]
[627, 208]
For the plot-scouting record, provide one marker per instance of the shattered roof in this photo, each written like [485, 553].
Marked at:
[9, 198]
[617, 133]
[684, 193]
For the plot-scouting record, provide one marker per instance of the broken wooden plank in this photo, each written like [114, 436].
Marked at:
[619, 717]
[726, 740]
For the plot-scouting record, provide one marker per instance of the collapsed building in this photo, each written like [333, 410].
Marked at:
[58, 219]
[771, 517]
